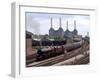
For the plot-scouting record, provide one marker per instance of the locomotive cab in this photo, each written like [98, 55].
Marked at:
[39, 52]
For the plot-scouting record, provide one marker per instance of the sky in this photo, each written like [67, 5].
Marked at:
[40, 23]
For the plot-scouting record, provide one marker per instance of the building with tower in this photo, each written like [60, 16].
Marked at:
[60, 32]
[51, 30]
[56, 33]
[75, 32]
[67, 33]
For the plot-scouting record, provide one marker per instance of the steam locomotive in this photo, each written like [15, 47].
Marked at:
[56, 50]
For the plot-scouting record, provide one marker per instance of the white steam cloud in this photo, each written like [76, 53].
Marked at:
[33, 25]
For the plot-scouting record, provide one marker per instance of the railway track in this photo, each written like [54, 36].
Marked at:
[56, 59]
[45, 62]
[79, 59]
[85, 60]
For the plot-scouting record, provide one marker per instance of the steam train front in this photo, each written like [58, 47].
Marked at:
[49, 52]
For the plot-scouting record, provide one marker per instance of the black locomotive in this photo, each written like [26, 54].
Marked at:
[56, 50]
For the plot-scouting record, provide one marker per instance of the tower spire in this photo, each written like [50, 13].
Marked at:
[51, 22]
[88, 34]
[74, 24]
[60, 21]
[67, 24]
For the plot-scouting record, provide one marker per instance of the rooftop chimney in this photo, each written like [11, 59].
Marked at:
[51, 22]
[67, 24]
[74, 24]
[60, 21]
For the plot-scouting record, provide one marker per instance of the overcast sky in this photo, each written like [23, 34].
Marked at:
[39, 23]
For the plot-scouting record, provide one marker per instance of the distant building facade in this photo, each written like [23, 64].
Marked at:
[61, 33]
[57, 33]
[28, 43]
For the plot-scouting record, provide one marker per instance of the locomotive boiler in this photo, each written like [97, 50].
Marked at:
[56, 50]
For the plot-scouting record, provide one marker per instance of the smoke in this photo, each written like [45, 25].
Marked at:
[33, 25]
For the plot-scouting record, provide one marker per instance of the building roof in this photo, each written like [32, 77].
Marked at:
[28, 34]
[60, 28]
[51, 29]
